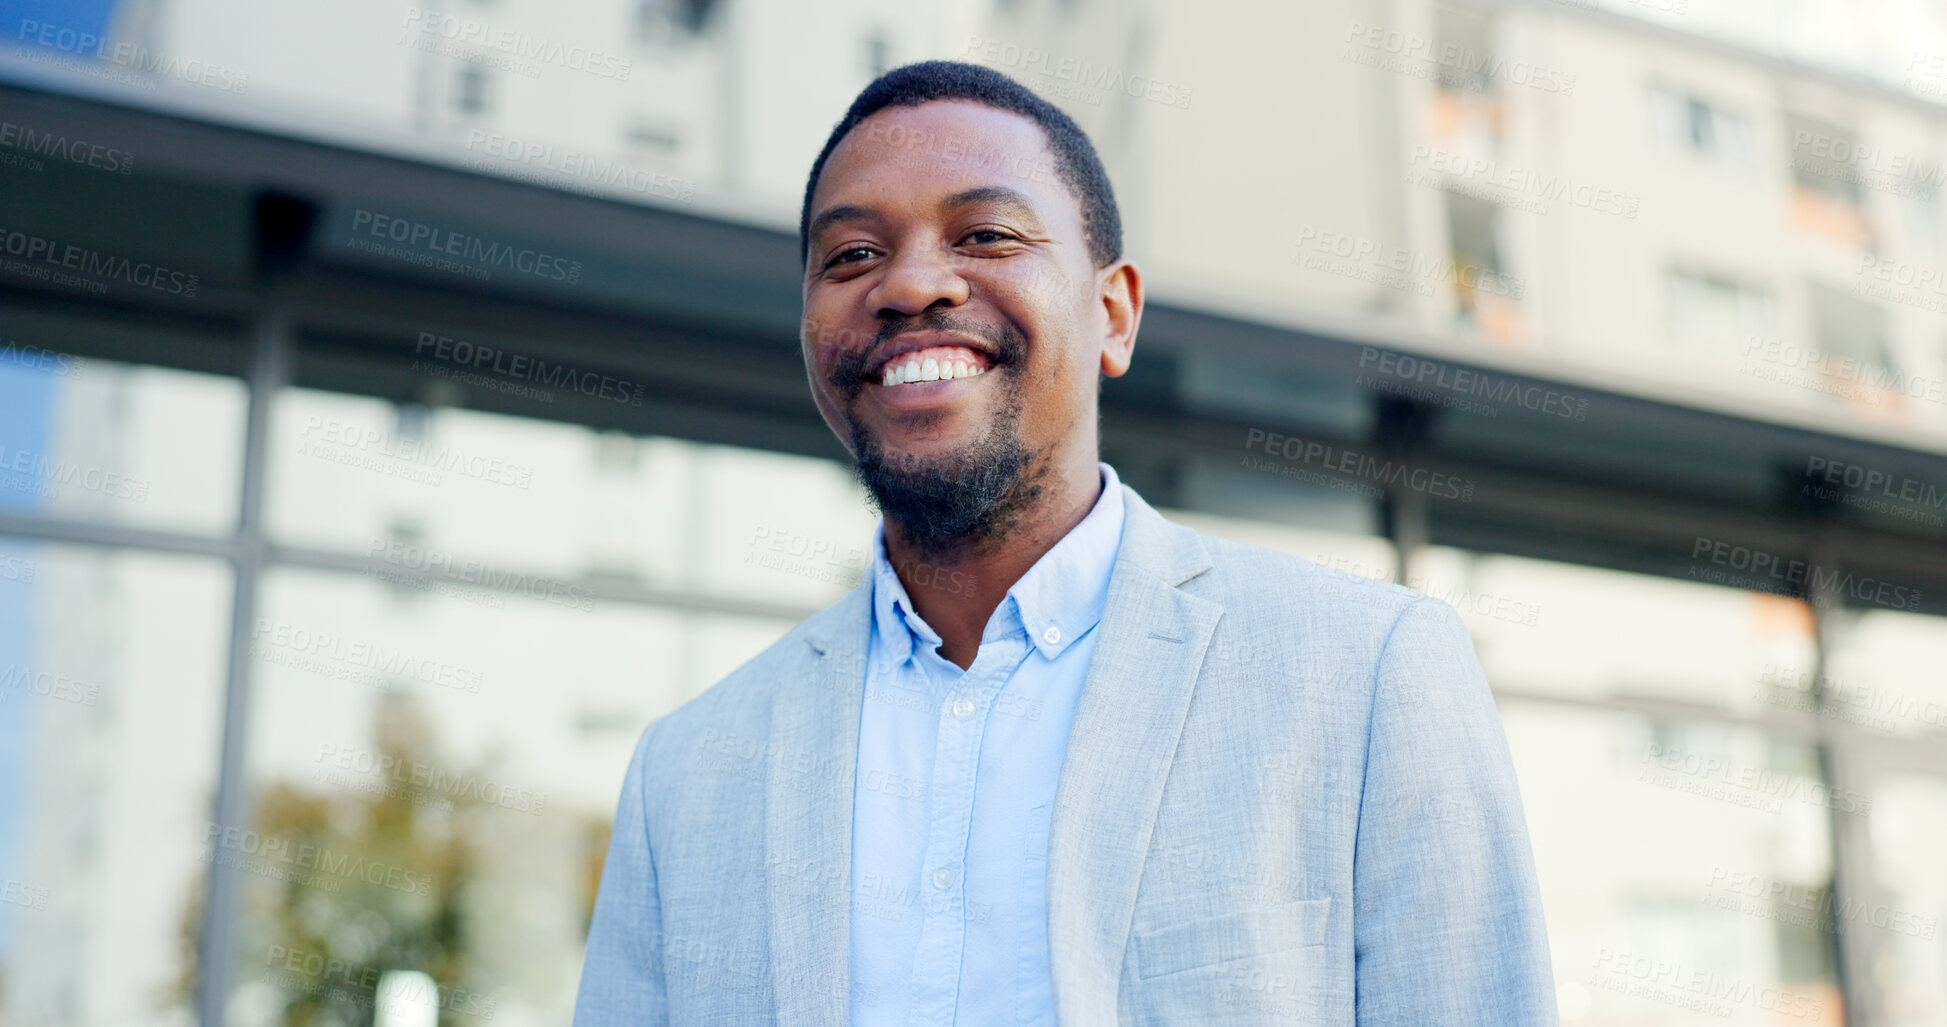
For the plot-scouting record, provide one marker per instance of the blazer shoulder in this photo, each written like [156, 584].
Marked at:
[742, 699]
[1281, 585]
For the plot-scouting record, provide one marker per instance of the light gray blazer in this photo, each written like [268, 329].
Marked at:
[1287, 798]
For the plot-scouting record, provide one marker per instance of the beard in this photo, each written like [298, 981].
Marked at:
[970, 498]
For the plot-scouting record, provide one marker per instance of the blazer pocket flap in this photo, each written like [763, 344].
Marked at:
[1228, 936]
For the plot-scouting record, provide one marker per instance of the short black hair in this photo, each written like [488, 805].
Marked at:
[1076, 163]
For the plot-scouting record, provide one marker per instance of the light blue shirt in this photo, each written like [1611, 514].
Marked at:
[955, 788]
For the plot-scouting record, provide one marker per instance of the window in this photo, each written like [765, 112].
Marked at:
[1466, 50]
[1847, 326]
[1822, 157]
[664, 21]
[1488, 298]
[1675, 814]
[1711, 313]
[878, 54]
[471, 96]
[1686, 123]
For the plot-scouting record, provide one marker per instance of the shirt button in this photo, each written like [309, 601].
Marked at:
[943, 877]
[1052, 636]
[963, 708]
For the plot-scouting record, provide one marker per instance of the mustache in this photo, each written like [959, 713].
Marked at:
[1009, 346]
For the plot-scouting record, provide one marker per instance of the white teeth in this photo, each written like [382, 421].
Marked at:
[931, 369]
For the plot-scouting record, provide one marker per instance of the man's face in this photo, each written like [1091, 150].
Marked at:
[954, 324]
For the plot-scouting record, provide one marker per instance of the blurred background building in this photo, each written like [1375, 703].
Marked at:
[401, 406]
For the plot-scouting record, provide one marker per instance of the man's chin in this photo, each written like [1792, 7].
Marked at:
[948, 502]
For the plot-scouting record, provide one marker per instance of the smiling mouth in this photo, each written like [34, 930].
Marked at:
[935, 363]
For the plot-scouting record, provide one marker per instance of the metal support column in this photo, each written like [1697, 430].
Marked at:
[216, 958]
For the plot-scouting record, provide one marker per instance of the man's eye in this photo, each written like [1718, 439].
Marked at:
[843, 256]
[981, 236]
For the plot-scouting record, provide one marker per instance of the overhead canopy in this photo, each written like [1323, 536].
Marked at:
[373, 255]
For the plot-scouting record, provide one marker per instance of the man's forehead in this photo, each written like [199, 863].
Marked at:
[956, 142]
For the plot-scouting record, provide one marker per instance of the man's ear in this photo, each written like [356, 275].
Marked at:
[1120, 291]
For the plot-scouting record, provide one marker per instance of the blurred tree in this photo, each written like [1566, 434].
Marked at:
[385, 890]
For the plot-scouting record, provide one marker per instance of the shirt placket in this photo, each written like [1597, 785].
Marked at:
[943, 878]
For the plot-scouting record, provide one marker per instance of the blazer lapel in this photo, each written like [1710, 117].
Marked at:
[808, 813]
[1131, 714]
[1133, 703]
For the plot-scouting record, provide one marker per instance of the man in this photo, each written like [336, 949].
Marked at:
[1055, 758]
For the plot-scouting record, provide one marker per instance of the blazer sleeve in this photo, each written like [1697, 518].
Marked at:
[622, 974]
[1447, 917]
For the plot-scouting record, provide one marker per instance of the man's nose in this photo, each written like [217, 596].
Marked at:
[916, 281]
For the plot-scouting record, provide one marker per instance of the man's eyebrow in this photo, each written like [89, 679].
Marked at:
[998, 195]
[835, 215]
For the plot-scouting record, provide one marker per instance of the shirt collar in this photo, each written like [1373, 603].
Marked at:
[1056, 602]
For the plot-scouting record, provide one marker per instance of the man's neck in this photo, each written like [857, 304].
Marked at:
[957, 592]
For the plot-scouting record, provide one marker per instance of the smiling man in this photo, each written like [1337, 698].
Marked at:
[1055, 758]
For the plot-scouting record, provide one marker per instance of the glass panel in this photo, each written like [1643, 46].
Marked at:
[1884, 675]
[433, 783]
[1566, 631]
[1685, 868]
[104, 441]
[111, 686]
[489, 496]
[1909, 835]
